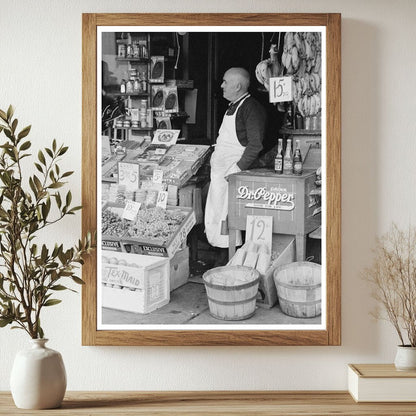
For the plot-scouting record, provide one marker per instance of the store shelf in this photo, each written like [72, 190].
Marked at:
[144, 60]
[300, 132]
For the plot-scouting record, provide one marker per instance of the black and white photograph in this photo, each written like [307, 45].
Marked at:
[211, 167]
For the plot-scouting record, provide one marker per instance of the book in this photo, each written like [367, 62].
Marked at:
[381, 383]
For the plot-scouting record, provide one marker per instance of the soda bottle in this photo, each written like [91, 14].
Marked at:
[278, 161]
[288, 159]
[297, 160]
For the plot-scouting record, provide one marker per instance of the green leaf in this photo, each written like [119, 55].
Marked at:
[59, 287]
[10, 112]
[68, 198]
[44, 253]
[8, 133]
[37, 183]
[63, 150]
[14, 125]
[25, 145]
[24, 132]
[54, 145]
[49, 152]
[39, 167]
[40, 332]
[67, 174]
[41, 157]
[77, 280]
[5, 321]
[56, 185]
[3, 115]
[58, 199]
[51, 302]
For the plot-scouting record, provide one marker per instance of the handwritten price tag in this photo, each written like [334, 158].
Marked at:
[157, 176]
[128, 175]
[280, 89]
[131, 209]
[162, 199]
[259, 229]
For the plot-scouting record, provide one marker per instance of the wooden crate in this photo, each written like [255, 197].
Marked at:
[179, 268]
[134, 283]
[159, 247]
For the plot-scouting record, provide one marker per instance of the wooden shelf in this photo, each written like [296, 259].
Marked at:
[221, 403]
[143, 60]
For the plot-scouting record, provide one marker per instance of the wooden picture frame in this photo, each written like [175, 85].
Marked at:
[331, 334]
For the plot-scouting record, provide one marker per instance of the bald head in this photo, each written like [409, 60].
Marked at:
[235, 83]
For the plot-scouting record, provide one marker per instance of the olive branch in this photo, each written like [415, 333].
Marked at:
[30, 274]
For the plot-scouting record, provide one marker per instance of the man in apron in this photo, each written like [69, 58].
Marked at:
[238, 145]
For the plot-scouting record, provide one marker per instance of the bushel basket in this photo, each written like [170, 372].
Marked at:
[232, 292]
[299, 289]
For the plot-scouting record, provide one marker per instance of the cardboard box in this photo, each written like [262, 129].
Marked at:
[179, 268]
[158, 247]
[134, 283]
[284, 248]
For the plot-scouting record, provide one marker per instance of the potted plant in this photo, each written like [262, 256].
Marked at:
[32, 272]
[393, 277]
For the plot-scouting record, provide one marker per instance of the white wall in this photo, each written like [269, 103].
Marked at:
[40, 74]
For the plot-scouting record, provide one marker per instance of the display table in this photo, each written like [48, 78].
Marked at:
[317, 403]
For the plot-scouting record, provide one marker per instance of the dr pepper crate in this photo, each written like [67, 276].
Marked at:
[287, 198]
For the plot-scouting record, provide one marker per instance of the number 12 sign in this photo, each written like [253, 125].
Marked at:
[259, 229]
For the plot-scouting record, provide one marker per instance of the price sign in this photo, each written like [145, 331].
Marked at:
[128, 175]
[131, 209]
[280, 89]
[162, 199]
[259, 229]
[157, 176]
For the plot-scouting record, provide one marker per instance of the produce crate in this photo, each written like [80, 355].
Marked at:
[134, 283]
[160, 247]
[179, 268]
[112, 242]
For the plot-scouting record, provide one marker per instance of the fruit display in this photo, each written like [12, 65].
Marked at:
[268, 68]
[302, 59]
[155, 224]
[112, 224]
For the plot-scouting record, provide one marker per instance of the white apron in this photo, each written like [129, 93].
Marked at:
[228, 151]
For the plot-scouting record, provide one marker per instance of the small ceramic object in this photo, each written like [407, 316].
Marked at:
[38, 377]
[405, 358]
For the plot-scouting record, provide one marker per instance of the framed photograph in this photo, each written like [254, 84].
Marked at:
[222, 83]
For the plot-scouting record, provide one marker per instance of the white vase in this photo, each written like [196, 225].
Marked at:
[405, 358]
[38, 377]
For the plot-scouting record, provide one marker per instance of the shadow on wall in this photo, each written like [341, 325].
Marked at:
[361, 50]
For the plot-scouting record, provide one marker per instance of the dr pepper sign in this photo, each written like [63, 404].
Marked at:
[280, 89]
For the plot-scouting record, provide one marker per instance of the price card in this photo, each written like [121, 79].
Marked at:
[280, 89]
[162, 199]
[131, 209]
[259, 229]
[157, 176]
[128, 175]
[160, 151]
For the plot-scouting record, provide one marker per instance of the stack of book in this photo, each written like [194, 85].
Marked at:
[381, 383]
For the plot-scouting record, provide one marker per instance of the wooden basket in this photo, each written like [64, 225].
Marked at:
[232, 302]
[298, 287]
